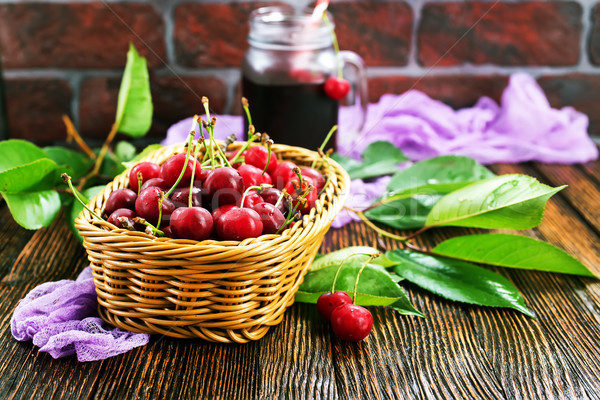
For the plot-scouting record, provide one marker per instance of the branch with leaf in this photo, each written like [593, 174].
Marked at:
[441, 192]
[30, 176]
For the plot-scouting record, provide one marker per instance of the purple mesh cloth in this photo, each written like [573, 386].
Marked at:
[523, 127]
[61, 318]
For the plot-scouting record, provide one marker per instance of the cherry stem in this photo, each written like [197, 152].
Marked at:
[67, 179]
[246, 107]
[372, 256]
[336, 46]
[187, 157]
[340, 268]
[148, 224]
[193, 173]
[73, 134]
[101, 155]
[261, 187]
[140, 180]
[377, 229]
[269, 143]
[327, 138]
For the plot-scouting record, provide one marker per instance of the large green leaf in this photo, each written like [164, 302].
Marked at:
[134, 105]
[511, 251]
[458, 280]
[405, 213]
[124, 151]
[16, 152]
[507, 201]
[33, 210]
[376, 286]
[33, 176]
[76, 207]
[356, 254]
[437, 175]
[72, 162]
[379, 158]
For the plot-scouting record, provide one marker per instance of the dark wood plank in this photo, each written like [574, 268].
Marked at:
[582, 194]
[592, 168]
[12, 240]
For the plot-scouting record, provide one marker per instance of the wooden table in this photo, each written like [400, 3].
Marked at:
[458, 351]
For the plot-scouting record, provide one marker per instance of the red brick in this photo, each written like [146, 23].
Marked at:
[457, 91]
[212, 34]
[519, 33]
[76, 35]
[577, 90]
[379, 32]
[35, 108]
[594, 43]
[173, 100]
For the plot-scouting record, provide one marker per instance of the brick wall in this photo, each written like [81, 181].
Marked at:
[67, 57]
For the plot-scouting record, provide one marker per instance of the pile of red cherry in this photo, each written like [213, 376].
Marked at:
[249, 199]
[349, 321]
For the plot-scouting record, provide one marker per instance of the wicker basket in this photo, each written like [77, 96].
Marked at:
[221, 291]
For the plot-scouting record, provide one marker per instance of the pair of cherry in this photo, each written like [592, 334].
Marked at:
[349, 321]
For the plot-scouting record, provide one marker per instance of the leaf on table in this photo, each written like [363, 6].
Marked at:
[379, 158]
[354, 253]
[406, 213]
[33, 210]
[507, 201]
[124, 151]
[134, 105]
[442, 174]
[147, 150]
[111, 166]
[33, 176]
[72, 162]
[76, 208]
[376, 286]
[512, 251]
[458, 280]
[16, 152]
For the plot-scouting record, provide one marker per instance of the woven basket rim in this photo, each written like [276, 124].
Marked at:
[85, 221]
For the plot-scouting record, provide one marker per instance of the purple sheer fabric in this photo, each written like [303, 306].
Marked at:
[61, 318]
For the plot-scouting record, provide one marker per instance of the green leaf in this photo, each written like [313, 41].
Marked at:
[33, 210]
[74, 163]
[76, 208]
[355, 254]
[511, 251]
[134, 105]
[507, 201]
[32, 176]
[458, 280]
[16, 152]
[376, 286]
[149, 149]
[124, 151]
[406, 213]
[111, 166]
[379, 158]
[437, 175]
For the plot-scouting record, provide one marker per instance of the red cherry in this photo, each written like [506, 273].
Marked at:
[283, 174]
[120, 198]
[253, 176]
[171, 169]
[120, 213]
[239, 224]
[240, 158]
[297, 191]
[316, 177]
[328, 302]
[146, 206]
[251, 199]
[224, 185]
[270, 216]
[351, 322]
[168, 232]
[216, 214]
[149, 170]
[271, 196]
[193, 223]
[258, 156]
[158, 182]
[180, 197]
[337, 88]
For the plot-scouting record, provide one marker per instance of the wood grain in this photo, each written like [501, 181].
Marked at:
[456, 352]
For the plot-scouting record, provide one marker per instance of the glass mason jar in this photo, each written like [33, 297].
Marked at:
[284, 70]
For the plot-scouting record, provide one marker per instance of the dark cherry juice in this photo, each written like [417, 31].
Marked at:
[296, 114]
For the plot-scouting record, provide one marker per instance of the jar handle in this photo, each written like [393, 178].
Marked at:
[355, 61]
